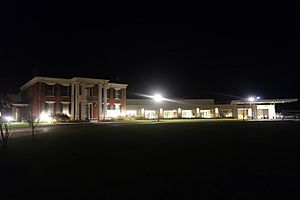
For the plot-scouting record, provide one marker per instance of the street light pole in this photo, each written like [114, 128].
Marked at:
[158, 98]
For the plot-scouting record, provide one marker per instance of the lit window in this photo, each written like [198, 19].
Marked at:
[150, 114]
[131, 113]
[113, 113]
[205, 114]
[65, 108]
[187, 114]
[170, 114]
[49, 108]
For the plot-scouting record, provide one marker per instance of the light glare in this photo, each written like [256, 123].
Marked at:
[158, 98]
[8, 118]
[251, 99]
[45, 117]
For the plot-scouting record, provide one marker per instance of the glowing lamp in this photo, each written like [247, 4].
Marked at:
[8, 118]
[251, 99]
[158, 98]
[45, 117]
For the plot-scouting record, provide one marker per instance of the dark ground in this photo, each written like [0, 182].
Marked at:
[215, 160]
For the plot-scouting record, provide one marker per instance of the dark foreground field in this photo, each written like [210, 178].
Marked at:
[215, 160]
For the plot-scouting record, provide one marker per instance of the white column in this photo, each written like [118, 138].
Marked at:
[105, 101]
[83, 102]
[217, 114]
[100, 86]
[76, 101]
[72, 102]
[272, 112]
[197, 112]
[254, 111]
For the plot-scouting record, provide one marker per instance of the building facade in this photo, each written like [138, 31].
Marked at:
[88, 99]
[79, 98]
[203, 108]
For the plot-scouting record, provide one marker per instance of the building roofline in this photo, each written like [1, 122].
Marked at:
[89, 80]
[264, 101]
[121, 85]
[67, 81]
[43, 79]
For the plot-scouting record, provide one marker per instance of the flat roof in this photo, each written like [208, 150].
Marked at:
[171, 102]
[264, 101]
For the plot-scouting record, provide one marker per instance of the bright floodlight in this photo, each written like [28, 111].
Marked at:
[8, 118]
[257, 98]
[251, 99]
[157, 98]
[45, 117]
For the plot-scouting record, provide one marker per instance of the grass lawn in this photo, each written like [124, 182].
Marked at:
[177, 120]
[214, 159]
[16, 125]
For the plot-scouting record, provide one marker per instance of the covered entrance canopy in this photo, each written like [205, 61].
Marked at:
[259, 108]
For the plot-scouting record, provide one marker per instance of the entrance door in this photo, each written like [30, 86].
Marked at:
[89, 111]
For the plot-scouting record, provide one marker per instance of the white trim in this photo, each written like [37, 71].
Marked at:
[49, 83]
[117, 85]
[65, 102]
[65, 84]
[50, 102]
[90, 85]
[62, 81]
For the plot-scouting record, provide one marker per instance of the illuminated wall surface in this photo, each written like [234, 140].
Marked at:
[203, 108]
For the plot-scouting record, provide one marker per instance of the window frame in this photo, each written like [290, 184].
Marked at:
[46, 90]
[65, 87]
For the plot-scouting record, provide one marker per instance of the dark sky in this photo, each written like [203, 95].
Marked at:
[215, 49]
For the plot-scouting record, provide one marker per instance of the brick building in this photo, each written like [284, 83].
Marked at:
[79, 98]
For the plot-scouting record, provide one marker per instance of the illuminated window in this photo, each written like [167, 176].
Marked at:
[150, 114]
[244, 113]
[131, 113]
[187, 114]
[113, 113]
[205, 114]
[65, 108]
[49, 107]
[226, 113]
[168, 114]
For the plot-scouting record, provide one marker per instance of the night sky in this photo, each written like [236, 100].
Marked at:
[216, 50]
